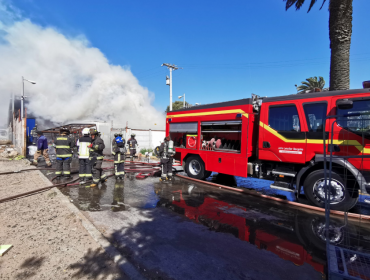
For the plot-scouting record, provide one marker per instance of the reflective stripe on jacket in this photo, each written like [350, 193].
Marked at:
[97, 148]
[63, 146]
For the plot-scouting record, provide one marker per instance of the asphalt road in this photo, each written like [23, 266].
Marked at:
[186, 230]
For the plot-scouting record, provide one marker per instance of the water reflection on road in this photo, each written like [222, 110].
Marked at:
[290, 233]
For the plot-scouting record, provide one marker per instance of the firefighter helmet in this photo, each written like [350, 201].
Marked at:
[64, 130]
[115, 135]
[133, 135]
[94, 132]
[156, 152]
[86, 131]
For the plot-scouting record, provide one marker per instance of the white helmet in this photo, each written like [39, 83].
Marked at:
[85, 131]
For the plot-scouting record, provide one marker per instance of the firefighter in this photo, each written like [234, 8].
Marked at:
[63, 146]
[42, 149]
[132, 143]
[166, 152]
[84, 156]
[119, 152]
[114, 142]
[96, 158]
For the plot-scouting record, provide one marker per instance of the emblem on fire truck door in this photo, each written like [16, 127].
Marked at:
[288, 150]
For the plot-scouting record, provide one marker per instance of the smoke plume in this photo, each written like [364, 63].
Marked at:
[74, 81]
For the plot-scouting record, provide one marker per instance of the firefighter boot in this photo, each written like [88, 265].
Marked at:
[82, 181]
[170, 178]
[163, 179]
[34, 162]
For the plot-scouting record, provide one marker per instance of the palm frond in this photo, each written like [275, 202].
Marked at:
[299, 3]
[290, 3]
[323, 2]
[311, 5]
[311, 84]
[321, 82]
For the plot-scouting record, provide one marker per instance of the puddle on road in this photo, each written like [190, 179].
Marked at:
[294, 235]
[114, 195]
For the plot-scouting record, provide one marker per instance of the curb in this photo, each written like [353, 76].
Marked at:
[123, 264]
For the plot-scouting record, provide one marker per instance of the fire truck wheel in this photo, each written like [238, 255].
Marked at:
[194, 167]
[340, 198]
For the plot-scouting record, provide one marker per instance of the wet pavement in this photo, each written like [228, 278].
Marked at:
[186, 230]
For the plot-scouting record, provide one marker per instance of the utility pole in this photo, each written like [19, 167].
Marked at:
[170, 67]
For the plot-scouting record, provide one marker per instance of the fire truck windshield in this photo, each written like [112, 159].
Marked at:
[360, 122]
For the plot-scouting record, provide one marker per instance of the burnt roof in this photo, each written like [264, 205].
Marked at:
[314, 95]
[245, 101]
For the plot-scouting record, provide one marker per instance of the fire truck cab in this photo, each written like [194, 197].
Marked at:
[281, 139]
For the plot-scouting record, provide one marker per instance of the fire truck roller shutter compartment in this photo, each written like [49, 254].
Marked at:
[179, 132]
[221, 142]
[222, 136]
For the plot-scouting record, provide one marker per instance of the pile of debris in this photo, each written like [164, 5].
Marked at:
[5, 142]
[9, 152]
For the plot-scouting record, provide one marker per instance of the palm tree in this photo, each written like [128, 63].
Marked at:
[312, 85]
[340, 32]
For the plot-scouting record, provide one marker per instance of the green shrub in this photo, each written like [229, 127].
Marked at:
[143, 151]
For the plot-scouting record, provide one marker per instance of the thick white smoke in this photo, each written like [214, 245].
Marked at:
[75, 81]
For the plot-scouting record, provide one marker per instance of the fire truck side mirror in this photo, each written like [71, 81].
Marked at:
[345, 104]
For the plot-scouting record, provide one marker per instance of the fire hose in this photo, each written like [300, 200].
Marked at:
[144, 171]
[29, 169]
[62, 185]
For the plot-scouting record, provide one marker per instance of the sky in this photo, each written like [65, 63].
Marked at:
[226, 49]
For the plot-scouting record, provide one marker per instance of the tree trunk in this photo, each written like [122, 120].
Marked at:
[340, 32]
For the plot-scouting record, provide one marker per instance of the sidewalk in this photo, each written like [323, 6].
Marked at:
[49, 241]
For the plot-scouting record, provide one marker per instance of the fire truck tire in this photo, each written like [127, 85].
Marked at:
[194, 167]
[314, 190]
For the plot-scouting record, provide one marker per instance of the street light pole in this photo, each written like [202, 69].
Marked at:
[184, 99]
[22, 98]
[170, 67]
[170, 88]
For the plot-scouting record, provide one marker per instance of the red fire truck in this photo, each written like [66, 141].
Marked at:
[281, 139]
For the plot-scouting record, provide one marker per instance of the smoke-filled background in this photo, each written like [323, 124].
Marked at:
[74, 81]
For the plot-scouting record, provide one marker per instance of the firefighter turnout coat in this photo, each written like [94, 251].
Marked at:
[63, 146]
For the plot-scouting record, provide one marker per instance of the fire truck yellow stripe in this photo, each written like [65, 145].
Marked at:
[354, 143]
[281, 137]
[236, 111]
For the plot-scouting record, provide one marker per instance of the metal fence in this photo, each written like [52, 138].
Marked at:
[347, 238]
